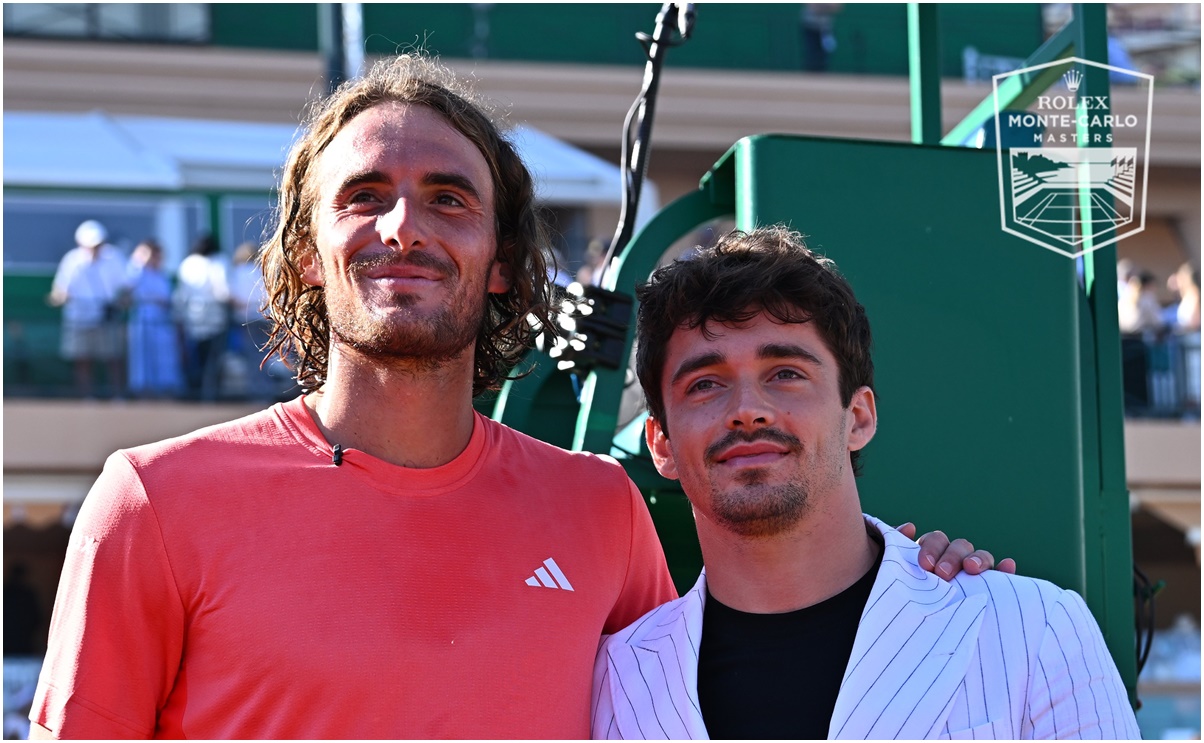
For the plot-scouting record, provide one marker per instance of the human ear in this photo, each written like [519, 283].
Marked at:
[864, 418]
[658, 446]
[311, 269]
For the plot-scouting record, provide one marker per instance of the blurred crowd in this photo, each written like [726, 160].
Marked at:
[199, 334]
[1160, 341]
[1141, 312]
[196, 335]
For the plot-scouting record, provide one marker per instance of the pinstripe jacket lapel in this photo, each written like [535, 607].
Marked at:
[915, 639]
[660, 663]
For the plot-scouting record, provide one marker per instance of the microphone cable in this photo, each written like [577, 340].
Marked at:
[674, 25]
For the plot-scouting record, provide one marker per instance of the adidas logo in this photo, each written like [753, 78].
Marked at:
[549, 576]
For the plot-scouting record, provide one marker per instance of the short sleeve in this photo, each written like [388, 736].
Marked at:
[648, 584]
[62, 275]
[116, 635]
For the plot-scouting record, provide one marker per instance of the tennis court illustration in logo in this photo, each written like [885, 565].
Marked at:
[1047, 185]
[1073, 170]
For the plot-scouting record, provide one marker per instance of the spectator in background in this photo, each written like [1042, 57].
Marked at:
[1186, 283]
[154, 343]
[1140, 317]
[1118, 52]
[594, 253]
[251, 331]
[202, 307]
[817, 21]
[1138, 309]
[88, 285]
[1184, 318]
[1124, 271]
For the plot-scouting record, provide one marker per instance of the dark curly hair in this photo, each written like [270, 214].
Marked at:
[300, 325]
[769, 269]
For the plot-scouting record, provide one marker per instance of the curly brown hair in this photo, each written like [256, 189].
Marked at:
[769, 269]
[300, 332]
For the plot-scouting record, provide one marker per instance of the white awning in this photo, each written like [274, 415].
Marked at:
[89, 150]
[101, 150]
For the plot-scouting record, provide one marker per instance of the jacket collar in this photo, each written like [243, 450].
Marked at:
[916, 637]
[663, 634]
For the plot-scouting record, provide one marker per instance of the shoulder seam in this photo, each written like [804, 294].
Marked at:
[158, 530]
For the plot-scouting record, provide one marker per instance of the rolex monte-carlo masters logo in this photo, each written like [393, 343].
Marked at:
[1073, 164]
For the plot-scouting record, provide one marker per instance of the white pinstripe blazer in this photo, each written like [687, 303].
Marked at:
[988, 656]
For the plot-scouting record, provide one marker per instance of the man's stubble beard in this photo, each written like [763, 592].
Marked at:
[421, 341]
[761, 509]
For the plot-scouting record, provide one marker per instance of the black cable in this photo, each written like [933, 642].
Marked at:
[1144, 614]
[637, 138]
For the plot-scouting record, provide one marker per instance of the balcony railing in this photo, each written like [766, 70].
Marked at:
[155, 361]
[1162, 376]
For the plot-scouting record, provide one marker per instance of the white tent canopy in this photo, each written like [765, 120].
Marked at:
[106, 151]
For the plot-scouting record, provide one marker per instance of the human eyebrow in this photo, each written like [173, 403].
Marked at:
[787, 351]
[355, 180]
[694, 363]
[455, 180]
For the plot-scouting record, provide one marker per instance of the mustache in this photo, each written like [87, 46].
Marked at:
[361, 263]
[761, 434]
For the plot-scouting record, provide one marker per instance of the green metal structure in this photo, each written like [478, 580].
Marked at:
[763, 36]
[998, 365]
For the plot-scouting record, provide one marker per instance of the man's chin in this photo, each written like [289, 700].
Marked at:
[760, 526]
[754, 476]
[761, 511]
[407, 346]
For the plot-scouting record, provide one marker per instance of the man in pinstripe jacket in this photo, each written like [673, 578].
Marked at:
[811, 619]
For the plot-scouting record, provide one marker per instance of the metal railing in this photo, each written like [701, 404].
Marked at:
[155, 361]
[1162, 376]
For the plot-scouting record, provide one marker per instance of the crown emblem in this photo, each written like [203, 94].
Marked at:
[1073, 79]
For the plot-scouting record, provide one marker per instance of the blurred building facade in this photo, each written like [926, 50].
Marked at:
[570, 71]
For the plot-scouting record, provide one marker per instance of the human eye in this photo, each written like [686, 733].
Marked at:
[702, 385]
[449, 199]
[787, 374]
[361, 196]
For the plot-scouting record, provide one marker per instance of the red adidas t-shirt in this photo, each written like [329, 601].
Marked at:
[235, 583]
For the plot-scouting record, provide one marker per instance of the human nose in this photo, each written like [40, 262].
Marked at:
[750, 407]
[401, 226]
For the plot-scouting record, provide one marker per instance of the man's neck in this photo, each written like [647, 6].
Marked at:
[404, 414]
[827, 552]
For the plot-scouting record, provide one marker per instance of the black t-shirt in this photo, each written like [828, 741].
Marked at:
[776, 676]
